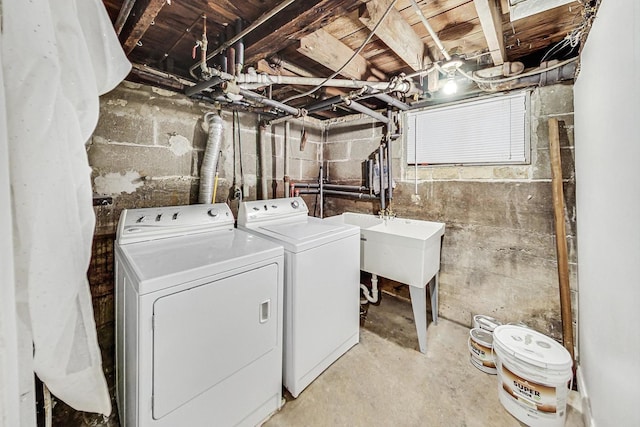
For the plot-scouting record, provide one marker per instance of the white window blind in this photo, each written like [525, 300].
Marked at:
[491, 130]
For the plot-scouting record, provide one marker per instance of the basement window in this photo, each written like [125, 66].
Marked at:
[486, 131]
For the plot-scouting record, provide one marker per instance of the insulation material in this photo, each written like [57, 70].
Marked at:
[57, 57]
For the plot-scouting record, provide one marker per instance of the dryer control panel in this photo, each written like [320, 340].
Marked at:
[137, 225]
[257, 213]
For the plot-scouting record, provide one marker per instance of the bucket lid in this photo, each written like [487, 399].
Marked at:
[531, 347]
[482, 336]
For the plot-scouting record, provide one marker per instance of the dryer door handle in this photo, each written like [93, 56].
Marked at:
[265, 311]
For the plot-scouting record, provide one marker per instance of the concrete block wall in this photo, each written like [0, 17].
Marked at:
[499, 254]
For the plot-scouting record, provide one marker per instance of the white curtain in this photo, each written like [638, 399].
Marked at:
[58, 56]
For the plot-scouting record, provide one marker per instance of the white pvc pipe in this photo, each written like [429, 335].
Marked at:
[263, 161]
[287, 132]
[373, 295]
[432, 33]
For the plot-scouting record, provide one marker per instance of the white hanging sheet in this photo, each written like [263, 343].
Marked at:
[57, 57]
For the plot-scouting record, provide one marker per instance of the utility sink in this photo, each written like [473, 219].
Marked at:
[404, 250]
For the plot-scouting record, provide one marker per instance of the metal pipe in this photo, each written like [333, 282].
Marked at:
[239, 49]
[324, 104]
[363, 196]
[364, 110]
[263, 161]
[287, 133]
[432, 33]
[123, 15]
[370, 177]
[200, 86]
[321, 190]
[261, 20]
[381, 177]
[389, 168]
[270, 102]
[332, 186]
[392, 101]
[404, 86]
[308, 191]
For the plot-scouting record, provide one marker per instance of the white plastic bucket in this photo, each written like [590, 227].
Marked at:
[485, 322]
[480, 347]
[534, 374]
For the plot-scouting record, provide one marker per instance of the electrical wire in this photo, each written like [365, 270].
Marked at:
[356, 53]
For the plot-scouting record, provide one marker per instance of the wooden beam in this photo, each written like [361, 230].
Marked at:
[491, 21]
[327, 50]
[291, 24]
[561, 236]
[395, 32]
[144, 14]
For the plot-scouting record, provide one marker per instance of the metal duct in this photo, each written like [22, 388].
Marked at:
[210, 160]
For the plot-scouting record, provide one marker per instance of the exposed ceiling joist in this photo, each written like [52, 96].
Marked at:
[491, 22]
[327, 50]
[143, 15]
[297, 20]
[395, 32]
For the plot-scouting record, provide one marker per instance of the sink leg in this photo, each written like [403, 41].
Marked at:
[433, 296]
[419, 305]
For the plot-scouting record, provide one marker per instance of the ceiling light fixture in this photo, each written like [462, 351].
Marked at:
[450, 87]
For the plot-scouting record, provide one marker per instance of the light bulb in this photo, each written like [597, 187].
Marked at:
[450, 87]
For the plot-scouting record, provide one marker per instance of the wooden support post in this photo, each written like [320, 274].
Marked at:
[561, 236]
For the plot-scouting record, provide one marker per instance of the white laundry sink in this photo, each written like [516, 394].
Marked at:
[404, 250]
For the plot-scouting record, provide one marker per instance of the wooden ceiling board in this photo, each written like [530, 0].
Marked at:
[177, 26]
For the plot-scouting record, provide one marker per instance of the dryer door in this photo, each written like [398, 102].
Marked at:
[205, 334]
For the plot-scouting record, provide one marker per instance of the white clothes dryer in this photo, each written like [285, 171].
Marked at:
[322, 284]
[198, 319]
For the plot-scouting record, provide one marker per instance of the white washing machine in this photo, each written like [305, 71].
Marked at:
[198, 319]
[322, 284]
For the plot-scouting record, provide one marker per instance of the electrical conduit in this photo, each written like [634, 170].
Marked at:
[210, 160]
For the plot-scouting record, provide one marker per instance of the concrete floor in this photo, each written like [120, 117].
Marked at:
[385, 381]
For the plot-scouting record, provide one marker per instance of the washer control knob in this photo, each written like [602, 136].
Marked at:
[213, 213]
[295, 204]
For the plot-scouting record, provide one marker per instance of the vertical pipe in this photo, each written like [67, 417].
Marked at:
[321, 187]
[370, 175]
[389, 169]
[263, 161]
[381, 176]
[222, 57]
[239, 49]
[287, 131]
[561, 236]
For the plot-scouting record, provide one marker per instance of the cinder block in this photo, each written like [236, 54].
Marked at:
[445, 172]
[511, 172]
[476, 172]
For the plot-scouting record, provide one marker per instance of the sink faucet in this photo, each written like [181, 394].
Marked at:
[387, 213]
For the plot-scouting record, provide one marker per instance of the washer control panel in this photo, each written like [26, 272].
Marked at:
[137, 225]
[271, 211]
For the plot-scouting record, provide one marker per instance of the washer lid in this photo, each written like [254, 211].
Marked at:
[301, 231]
[531, 347]
[311, 232]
